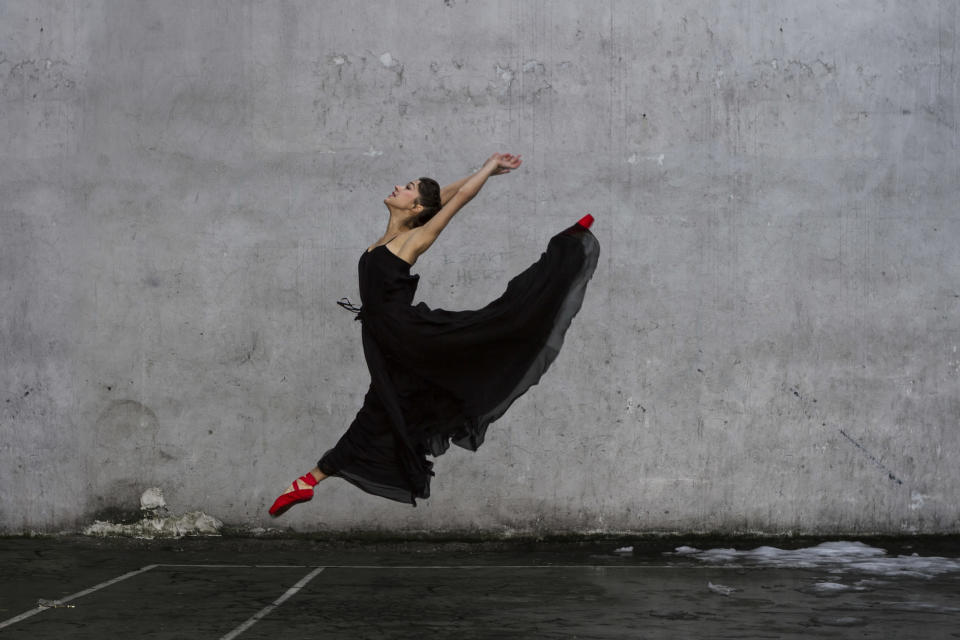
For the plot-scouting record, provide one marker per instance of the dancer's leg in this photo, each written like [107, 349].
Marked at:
[300, 484]
[300, 490]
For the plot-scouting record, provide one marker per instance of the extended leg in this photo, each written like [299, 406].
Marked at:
[300, 490]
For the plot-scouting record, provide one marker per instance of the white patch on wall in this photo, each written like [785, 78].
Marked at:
[506, 75]
[152, 499]
[387, 60]
[535, 66]
[634, 158]
[916, 500]
[373, 153]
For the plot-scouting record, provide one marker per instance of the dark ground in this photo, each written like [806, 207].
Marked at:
[372, 587]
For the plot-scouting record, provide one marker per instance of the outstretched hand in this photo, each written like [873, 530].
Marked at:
[504, 163]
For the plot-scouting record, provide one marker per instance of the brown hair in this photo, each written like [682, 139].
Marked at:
[429, 198]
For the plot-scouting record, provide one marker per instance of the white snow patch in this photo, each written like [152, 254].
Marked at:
[387, 60]
[194, 523]
[624, 550]
[836, 557]
[722, 589]
[373, 153]
[832, 587]
[682, 551]
[155, 523]
[339, 60]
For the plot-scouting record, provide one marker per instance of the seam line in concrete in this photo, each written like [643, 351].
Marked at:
[255, 618]
[79, 594]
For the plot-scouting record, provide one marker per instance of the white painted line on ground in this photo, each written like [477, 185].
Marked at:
[465, 566]
[461, 567]
[79, 594]
[270, 607]
[228, 566]
[238, 566]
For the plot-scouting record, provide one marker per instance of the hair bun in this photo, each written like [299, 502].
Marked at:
[429, 199]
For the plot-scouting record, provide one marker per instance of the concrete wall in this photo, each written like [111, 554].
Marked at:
[769, 343]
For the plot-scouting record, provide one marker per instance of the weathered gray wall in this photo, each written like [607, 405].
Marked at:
[770, 341]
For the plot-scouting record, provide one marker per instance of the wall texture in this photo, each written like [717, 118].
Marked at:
[770, 342]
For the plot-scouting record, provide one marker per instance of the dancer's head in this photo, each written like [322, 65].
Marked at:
[418, 200]
[429, 200]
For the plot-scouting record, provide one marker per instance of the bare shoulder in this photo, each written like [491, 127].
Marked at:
[393, 242]
[409, 245]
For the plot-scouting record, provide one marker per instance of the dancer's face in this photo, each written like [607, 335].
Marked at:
[404, 197]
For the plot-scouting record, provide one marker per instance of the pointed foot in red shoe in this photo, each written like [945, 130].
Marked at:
[585, 221]
[290, 498]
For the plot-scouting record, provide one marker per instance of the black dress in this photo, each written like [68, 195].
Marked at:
[439, 376]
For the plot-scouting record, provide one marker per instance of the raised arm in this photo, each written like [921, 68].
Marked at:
[447, 192]
[453, 197]
[509, 161]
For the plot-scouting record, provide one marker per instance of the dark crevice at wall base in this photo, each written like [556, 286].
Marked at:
[642, 544]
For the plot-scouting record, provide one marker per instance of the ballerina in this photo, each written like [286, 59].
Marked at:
[443, 376]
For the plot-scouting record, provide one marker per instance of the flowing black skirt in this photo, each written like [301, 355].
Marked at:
[443, 376]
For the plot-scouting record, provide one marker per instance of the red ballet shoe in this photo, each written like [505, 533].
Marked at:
[287, 500]
[585, 221]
